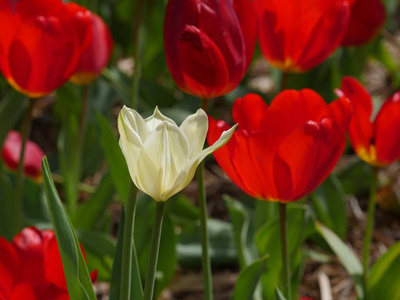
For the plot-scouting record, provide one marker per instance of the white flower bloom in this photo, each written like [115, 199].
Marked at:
[162, 158]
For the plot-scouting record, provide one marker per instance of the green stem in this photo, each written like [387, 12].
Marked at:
[130, 265]
[154, 248]
[369, 227]
[19, 183]
[285, 252]
[284, 81]
[205, 257]
[137, 47]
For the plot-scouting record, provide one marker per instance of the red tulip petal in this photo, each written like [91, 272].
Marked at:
[245, 12]
[290, 109]
[9, 268]
[341, 111]
[32, 157]
[250, 112]
[366, 19]
[37, 291]
[30, 245]
[96, 56]
[310, 152]
[296, 36]
[360, 129]
[387, 130]
[203, 65]
[54, 270]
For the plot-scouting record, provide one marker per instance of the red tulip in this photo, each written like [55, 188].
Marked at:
[32, 157]
[284, 151]
[31, 267]
[96, 57]
[209, 44]
[377, 142]
[366, 20]
[41, 42]
[296, 36]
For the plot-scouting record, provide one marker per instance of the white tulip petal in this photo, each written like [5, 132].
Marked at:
[156, 119]
[195, 129]
[223, 139]
[134, 121]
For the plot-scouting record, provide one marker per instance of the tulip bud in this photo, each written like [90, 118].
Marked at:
[32, 158]
[162, 157]
[209, 44]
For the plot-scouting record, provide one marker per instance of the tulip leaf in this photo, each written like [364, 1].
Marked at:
[345, 254]
[248, 279]
[240, 223]
[115, 158]
[383, 281]
[75, 269]
[90, 212]
[329, 204]
[279, 294]
[115, 282]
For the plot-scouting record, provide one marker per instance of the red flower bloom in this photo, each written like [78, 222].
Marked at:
[32, 158]
[296, 36]
[31, 267]
[284, 151]
[366, 20]
[209, 44]
[41, 42]
[376, 142]
[96, 57]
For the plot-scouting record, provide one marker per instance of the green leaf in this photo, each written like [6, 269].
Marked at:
[115, 158]
[329, 204]
[11, 108]
[383, 281]
[6, 206]
[345, 255]
[248, 279]
[75, 269]
[90, 212]
[279, 294]
[240, 222]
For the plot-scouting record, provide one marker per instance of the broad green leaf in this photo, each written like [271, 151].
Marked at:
[75, 269]
[115, 158]
[345, 254]
[279, 294]
[329, 204]
[248, 279]
[384, 279]
[89, 213]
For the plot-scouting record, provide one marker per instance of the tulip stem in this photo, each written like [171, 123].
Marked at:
[369, 227]
[154, 248]
[285, 252]
[205, 257]
[19, 183]
[130, 265]
[137, 53]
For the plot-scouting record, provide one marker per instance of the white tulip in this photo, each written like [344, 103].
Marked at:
[162, 158]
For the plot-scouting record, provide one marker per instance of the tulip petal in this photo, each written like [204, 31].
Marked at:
[195, 129]
[310, 155]
[387, 130]
[290, 109]
[250, 112]
[360, 129]
[132, 123]
[52, 264]
[9, 268]
[341, 111]
[34, 290]
[164, 155]
[156, 119]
